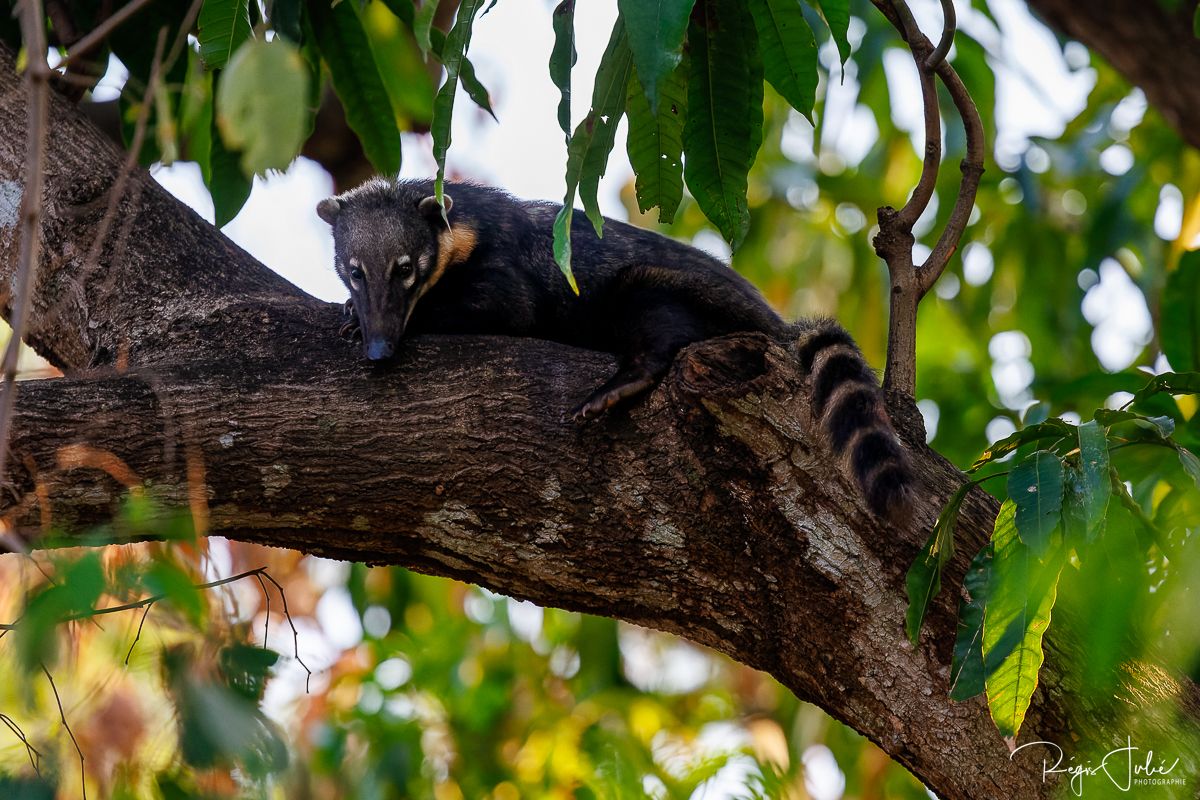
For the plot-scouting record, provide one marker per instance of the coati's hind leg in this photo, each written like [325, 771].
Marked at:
[655, 328]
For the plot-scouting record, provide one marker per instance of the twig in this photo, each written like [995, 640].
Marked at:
[146, 601]
[295, 633]
[63, 716]
[35, 755]
[37, 75]
[138, 636]
[267, 615]
[894, 242]
[100, 32]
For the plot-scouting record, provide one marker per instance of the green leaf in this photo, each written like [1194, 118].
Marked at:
[967, 676]
[1191, 464]
[261, 104]
[837, 17]
[347, 52]
[1196, 24]
[224, 25]
[1050, 429]
[924, 578]
[175, 584]
[1179, 320]
[422, 25]
[78, 586]
[1036, 487]
[724, 122]
[587, 153]
[562, 60]
[228, 185]
[466, 75]
[656, 29]
[789, 51]
[1020, 597]
[404, 10]
[285, 18]
[443, 105]
[1094, 484]
[655, 144]
[1161, 427]
[1169, 383]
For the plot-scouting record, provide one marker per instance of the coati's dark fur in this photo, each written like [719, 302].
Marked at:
[641, 296]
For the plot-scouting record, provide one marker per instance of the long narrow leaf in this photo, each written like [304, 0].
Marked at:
[967, 676]
[1021, 595]
[924, 578]
[656, 29]
[347, 52]
[1095, 484]
[837, 17]
[655, 144]
[724, 124]
[562, 60]
[1036, 487]
[789, 51]
[587, 154]
[453, 53]
[224, 25]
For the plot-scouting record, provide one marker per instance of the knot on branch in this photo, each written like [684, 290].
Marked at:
[723, 368]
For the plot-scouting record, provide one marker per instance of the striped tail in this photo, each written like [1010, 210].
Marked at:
[848, 404]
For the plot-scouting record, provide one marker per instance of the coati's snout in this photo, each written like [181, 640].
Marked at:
[387, 264]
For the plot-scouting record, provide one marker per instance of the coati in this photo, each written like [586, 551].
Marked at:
[642, 296]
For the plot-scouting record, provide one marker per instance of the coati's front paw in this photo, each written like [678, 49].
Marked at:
[350, 329]
[593, 408]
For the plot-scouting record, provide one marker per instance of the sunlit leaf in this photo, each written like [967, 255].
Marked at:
[1161, 427]
[1051, 429]
[1020, 597]
[261, 104]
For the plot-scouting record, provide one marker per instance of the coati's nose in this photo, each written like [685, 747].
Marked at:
[380, 349]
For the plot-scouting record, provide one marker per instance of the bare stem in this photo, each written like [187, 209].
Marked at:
[83, 47]
[37, 76]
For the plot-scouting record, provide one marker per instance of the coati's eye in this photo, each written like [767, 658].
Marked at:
[357, 274]
[403, 266]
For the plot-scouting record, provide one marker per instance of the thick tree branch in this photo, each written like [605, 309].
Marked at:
[1153, 46]
[709, 510]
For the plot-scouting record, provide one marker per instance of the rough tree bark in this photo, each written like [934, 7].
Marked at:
[1148, 42]
[711, 510]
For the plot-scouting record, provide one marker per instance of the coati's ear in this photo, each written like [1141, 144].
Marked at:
[430, 210]
[329, 208]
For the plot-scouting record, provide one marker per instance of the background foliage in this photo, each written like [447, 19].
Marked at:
[428, 688]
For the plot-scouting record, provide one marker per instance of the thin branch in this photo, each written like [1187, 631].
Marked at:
[138, 636]
[147, 601]
[81, 48]
[35, 755]
[932, 162]
[267, 615]
[37, 76]
[949, 24]
[63, 716]
[295, 633]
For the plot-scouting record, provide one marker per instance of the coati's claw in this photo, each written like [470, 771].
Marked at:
[348, 308]
[350, 330]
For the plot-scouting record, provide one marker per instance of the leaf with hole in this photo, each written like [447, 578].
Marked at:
[655, 144]
[1036, 487]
